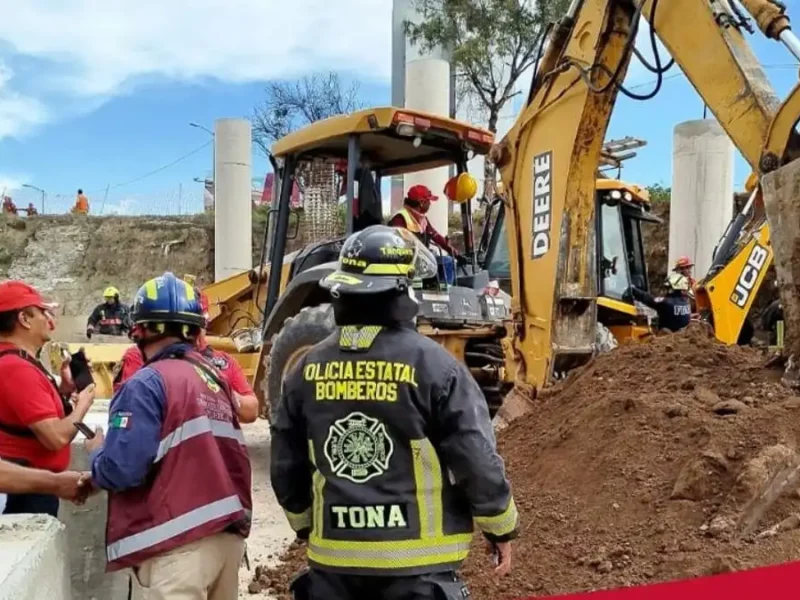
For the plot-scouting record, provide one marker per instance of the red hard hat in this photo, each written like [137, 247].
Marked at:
[16, 295]
[420, 193]
[683, 262]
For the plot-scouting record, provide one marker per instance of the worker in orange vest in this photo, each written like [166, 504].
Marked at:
[81, 204]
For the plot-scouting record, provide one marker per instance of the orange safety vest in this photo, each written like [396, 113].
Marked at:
[82, 204]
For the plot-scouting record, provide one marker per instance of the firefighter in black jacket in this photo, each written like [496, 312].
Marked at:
[675, 308]
[399, 435]
[109, 318]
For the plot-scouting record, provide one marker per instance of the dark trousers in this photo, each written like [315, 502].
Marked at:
[35, 504]
[325, 585]
[31, 503]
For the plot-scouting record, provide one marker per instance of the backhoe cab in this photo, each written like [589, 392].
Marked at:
[459, 308]
[621, 209]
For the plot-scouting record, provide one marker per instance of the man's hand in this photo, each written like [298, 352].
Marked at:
[67, 385]
[87, 487]
[96, 442]
[89, 331]
[69, 486]
[86, 397]
[500, 553]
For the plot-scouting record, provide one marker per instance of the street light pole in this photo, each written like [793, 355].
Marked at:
[213, 157]
[33, 187]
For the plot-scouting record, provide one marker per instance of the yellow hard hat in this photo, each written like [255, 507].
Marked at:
[110, 292]
[678, 282]
[461, 188]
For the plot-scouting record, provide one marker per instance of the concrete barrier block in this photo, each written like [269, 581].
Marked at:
[86, 529]
[33, 558]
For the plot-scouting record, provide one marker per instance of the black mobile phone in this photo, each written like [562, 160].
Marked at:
[84, 429]
[81, 372]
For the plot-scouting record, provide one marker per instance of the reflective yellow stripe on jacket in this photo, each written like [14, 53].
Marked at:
[432, 548]
[299, 521]
[503, 524]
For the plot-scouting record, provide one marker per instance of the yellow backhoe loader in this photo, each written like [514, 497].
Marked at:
[470, 318]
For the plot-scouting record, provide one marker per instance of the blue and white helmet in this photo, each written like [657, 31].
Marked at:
[167, 299]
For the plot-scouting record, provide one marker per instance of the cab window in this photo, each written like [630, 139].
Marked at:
[613, 261]
[497, 262]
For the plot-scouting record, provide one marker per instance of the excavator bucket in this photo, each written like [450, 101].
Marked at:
[781, 190]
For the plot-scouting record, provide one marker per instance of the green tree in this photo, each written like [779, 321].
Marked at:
[659, 193]
[491, 44]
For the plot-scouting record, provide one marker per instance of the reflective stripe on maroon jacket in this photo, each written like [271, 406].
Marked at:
[201, 479]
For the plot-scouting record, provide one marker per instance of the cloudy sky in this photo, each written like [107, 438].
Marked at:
[99, 94]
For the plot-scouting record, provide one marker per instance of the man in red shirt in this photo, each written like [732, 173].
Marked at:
[243, 393]
[37, 423]
[130, 362]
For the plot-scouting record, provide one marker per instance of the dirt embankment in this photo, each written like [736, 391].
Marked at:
[72, 259]
[671, 459]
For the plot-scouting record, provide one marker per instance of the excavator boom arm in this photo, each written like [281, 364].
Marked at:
[549, 158]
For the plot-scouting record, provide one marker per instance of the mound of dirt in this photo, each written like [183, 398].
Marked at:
[671, 459]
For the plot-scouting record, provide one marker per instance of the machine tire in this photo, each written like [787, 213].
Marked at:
[308, 327]
[604, 339]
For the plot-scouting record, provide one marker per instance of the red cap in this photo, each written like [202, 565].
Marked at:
[16, 295]
[420, 193]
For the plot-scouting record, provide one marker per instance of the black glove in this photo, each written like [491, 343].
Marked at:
[89, 333]
[461, 261]
[300, 585]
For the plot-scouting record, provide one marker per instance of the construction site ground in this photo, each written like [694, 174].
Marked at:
[673, 459]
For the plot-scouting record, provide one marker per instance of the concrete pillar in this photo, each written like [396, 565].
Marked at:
[702, 191]
[422, 82]
[232, 197]
[401, 10]
[428, 90]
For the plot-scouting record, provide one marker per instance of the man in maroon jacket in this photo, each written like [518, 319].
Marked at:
[175, 462]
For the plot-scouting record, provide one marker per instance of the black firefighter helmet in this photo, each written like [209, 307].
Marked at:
[379, 259]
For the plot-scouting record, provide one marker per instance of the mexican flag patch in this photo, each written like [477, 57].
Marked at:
[120, 421]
